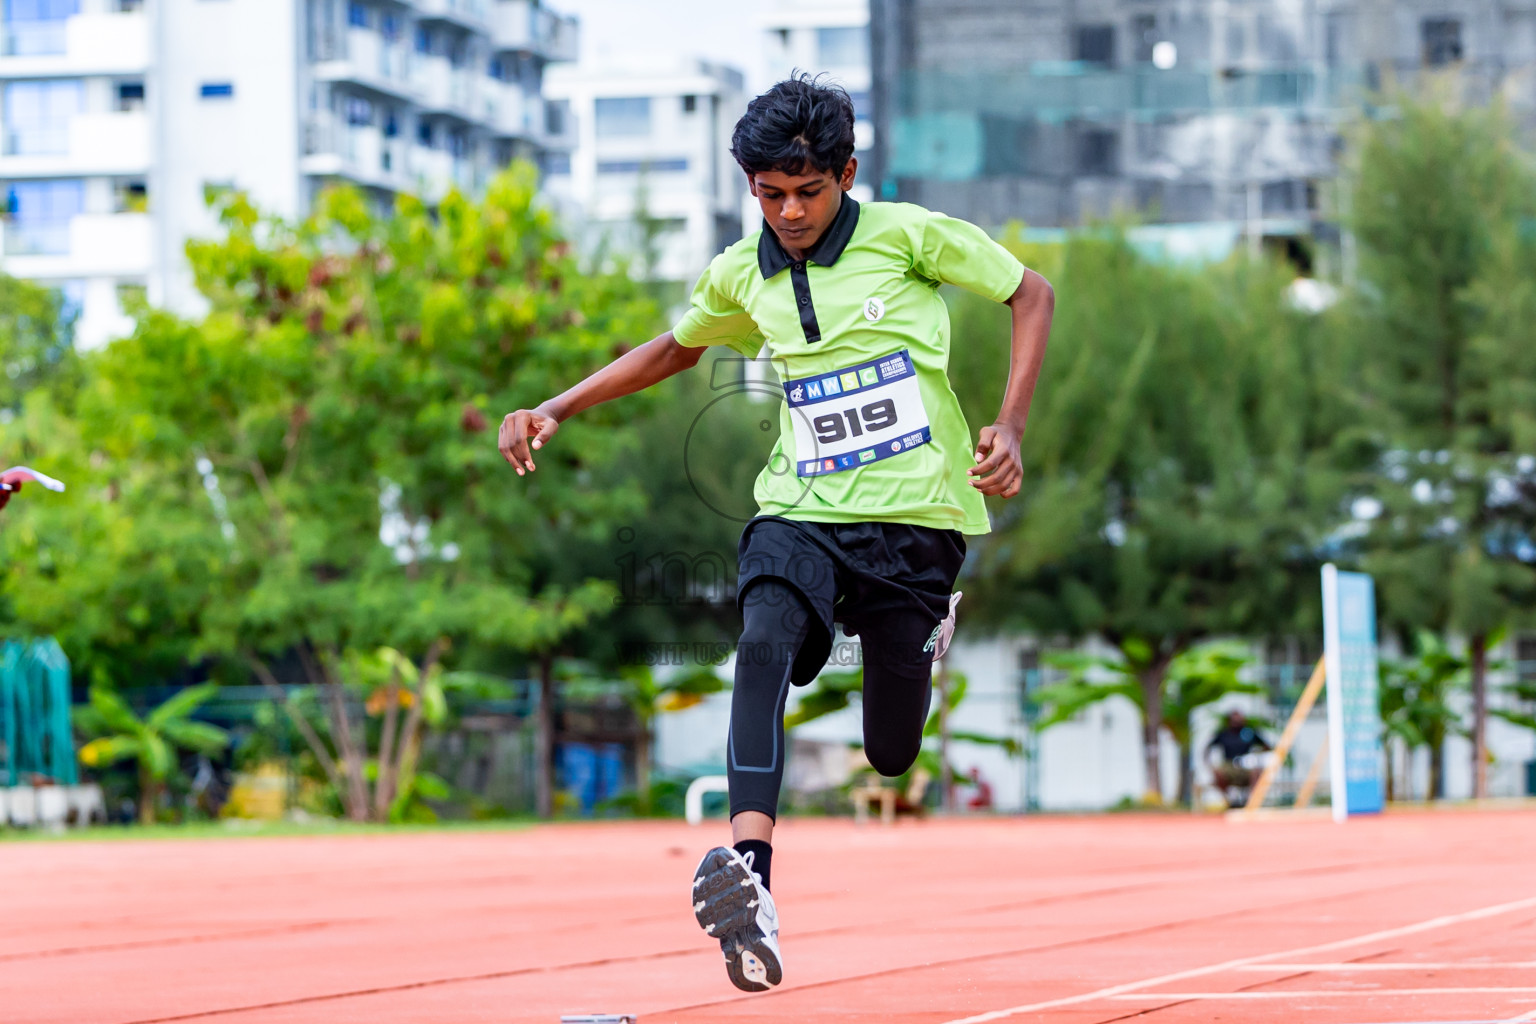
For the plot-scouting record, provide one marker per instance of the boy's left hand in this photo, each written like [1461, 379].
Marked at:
[998, 469]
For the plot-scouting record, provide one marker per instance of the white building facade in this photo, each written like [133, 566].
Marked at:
[651, 176]
[120, 118]
[828, 37]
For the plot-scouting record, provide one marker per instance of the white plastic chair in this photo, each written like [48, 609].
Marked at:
[693, 803]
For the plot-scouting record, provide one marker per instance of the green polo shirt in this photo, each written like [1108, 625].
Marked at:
[870, 429]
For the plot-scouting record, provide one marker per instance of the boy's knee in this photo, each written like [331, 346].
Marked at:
[892, 758]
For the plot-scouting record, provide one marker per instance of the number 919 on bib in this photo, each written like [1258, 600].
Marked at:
[856, 415]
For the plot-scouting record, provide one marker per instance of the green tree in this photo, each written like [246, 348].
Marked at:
[322, 442]
[648, 697]
[152, 741]
[1188, 461]
[36, 344]
[1439, 197]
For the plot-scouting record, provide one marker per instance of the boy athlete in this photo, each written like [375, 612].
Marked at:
[872, 485]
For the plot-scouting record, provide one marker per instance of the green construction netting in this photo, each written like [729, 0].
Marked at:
[35, 735]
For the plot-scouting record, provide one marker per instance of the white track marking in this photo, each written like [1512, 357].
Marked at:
[1479, 965]
[1199, 972]
[1523, 1017]
[1321, 993]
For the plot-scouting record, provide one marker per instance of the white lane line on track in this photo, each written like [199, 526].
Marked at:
[1531, 1015]
[1479, 965]
[1319, 993]
[1431, 924]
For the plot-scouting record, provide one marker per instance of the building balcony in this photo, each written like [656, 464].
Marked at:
[87, 245]
[359, 153]
[87, 145]
[372, 62]
[474, 15]
[442, 88]
[514, 110]
[85, 44]
[525, 26]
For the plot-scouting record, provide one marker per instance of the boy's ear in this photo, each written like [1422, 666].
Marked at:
[752, 185]
[846, 181]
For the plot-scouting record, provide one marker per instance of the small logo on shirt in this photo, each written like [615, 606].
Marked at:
[874, 309]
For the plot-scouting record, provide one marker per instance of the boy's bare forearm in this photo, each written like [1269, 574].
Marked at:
[634, 371]
[1033, 306]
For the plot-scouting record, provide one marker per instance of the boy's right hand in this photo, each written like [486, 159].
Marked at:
[517, 428]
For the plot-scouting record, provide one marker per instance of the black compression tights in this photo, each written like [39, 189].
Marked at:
[897, 690]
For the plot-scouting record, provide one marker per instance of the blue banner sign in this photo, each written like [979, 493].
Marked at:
[1354, 713]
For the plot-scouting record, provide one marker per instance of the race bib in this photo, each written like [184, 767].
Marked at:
[857, 415]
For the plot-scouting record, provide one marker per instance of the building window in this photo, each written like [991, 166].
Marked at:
[424, 133]
[1095, 44]
[130, 96]
[621, 116]
[1098, 152]
[391, 123]
[423, 39]
[1525, 658]
[357, 14]
[1442, 41]
[494, 69]
[1144, 37]
[36, 27]
[690, 104]
[217, 90]
[842, 47]
[389, 27]
[37, 116]
[557, 163]
[557, 113]
[862, 108]
[130, 197]
[359, 111]
[670, 166]
[40, 212]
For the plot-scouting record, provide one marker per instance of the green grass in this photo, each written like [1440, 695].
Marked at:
[235, 828]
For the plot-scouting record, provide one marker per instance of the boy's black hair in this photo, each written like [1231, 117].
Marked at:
[799, 126]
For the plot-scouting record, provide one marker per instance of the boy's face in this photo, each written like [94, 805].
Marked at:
[800, 207]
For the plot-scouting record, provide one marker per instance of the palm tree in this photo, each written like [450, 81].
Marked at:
[152, 741]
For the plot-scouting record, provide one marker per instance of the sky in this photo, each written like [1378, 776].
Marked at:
[619, 32]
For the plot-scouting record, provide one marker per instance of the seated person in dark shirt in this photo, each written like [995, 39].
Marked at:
[1236, 740]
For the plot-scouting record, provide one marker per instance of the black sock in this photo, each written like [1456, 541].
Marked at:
[762, 857]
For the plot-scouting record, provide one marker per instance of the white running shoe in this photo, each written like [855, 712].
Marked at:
[731, 904]
[944, 632]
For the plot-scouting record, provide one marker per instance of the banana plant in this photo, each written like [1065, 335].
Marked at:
[152, 741]
[1194, 679]
[1415, 698]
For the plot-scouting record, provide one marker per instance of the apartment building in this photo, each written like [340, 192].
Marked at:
[120, 118]
[651, 176]
[1193, 112]
[827, 37]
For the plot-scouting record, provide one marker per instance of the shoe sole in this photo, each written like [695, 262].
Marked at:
[722, 903]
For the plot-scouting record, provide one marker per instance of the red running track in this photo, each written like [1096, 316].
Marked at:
[1414, 917]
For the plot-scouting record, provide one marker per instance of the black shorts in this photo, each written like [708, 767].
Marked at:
[853, 573]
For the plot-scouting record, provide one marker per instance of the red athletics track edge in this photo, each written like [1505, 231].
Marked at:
[1412, 917]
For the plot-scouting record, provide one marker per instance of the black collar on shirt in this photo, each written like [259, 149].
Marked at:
[771, 257]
